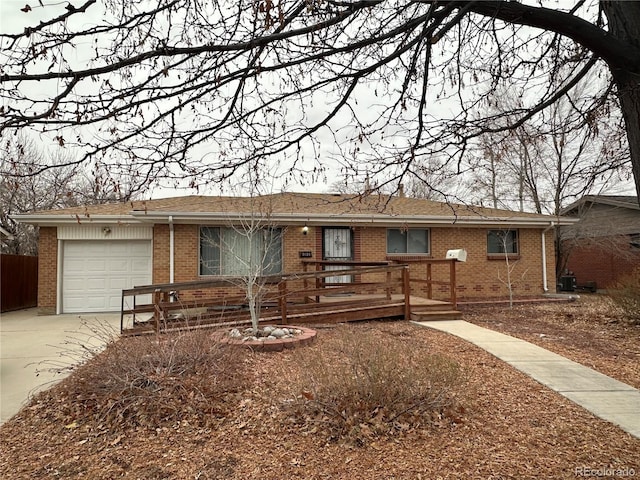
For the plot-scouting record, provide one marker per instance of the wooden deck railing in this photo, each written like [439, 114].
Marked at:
[282, 296]
[321, 274]
[428, 279]
[430, 263]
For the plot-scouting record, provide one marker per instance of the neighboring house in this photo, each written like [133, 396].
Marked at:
[89, 254]
[605, 243]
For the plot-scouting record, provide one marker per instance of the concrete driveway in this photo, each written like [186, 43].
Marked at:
[32, 346]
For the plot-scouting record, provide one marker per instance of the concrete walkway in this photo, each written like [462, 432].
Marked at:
[603, 396]
[31, 346]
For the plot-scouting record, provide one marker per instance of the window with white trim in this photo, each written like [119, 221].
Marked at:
[502, 241]
[227, 251]
[407, 241]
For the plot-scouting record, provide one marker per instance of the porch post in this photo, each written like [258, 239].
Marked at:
[282, 299]
[452, 283]
[156, 309]
[318, 282]
[406, 286]
[305, 282]
[388, 289]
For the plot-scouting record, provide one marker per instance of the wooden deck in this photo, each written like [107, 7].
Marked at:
[311, 301]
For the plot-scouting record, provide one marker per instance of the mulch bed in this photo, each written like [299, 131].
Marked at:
[512, 427]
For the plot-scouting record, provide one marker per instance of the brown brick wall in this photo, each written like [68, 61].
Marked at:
[486, 275]
[160, 254]
[294, 242]
[479, 277]
[602, 262]
[47, 270]
[186, 252]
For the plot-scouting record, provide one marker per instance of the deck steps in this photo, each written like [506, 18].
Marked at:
[434, 310]
[436, 315]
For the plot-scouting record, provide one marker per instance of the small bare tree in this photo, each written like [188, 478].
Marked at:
[506, 241]
[247, 251]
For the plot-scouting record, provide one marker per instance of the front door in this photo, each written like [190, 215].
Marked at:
[337, 244]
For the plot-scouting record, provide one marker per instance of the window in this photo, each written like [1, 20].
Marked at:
[412, 240]
[502, 241]
[226, 251]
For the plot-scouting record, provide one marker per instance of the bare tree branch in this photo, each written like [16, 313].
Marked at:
[190, 92]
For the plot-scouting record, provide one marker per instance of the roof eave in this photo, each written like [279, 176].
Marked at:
[55, 220]
[146, 217]
[600, 200]
[352, 219]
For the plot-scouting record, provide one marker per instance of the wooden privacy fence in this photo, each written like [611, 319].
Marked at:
[18, 282]
[292, 297]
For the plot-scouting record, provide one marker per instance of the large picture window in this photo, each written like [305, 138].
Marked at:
[412, 240]
[502, 241]
[227, 251]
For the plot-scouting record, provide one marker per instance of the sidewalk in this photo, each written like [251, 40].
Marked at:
[603, 396]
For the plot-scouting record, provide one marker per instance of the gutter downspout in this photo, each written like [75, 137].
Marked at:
[59, 278]
[171, 249]
[545, 286]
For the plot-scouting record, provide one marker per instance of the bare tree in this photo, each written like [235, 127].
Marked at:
[168, 89]
[553, 159]
[505, 242]
[64, 184]
[488, 168]
[247, 251]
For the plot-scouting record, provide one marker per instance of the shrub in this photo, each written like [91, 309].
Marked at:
[150, 381]
[625, 293]
[373, 386]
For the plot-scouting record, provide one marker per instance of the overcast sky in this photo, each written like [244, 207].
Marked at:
[12, 20]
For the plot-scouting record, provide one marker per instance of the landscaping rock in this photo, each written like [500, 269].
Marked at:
[278, 333]
[267, 330]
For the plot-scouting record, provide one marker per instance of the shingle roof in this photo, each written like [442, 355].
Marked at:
[292, 209]
[624, 201]
[291, 203]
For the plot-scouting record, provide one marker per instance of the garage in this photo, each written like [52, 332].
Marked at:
[94, 272]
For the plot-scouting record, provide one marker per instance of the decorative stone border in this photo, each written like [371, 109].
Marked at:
[307, 337]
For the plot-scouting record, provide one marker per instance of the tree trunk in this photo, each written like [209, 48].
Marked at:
[629, 94]
[624, 24]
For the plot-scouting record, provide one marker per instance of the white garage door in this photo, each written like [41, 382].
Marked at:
[94, 273]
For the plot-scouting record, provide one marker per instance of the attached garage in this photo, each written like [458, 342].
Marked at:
[94, 273]
[95, 263]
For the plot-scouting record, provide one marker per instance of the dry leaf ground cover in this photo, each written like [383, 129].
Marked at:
[257, 424]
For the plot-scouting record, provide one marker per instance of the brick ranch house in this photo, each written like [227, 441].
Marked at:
[605, 244]
[89, 254]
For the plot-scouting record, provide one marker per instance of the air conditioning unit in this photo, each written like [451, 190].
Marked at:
[459, 254]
